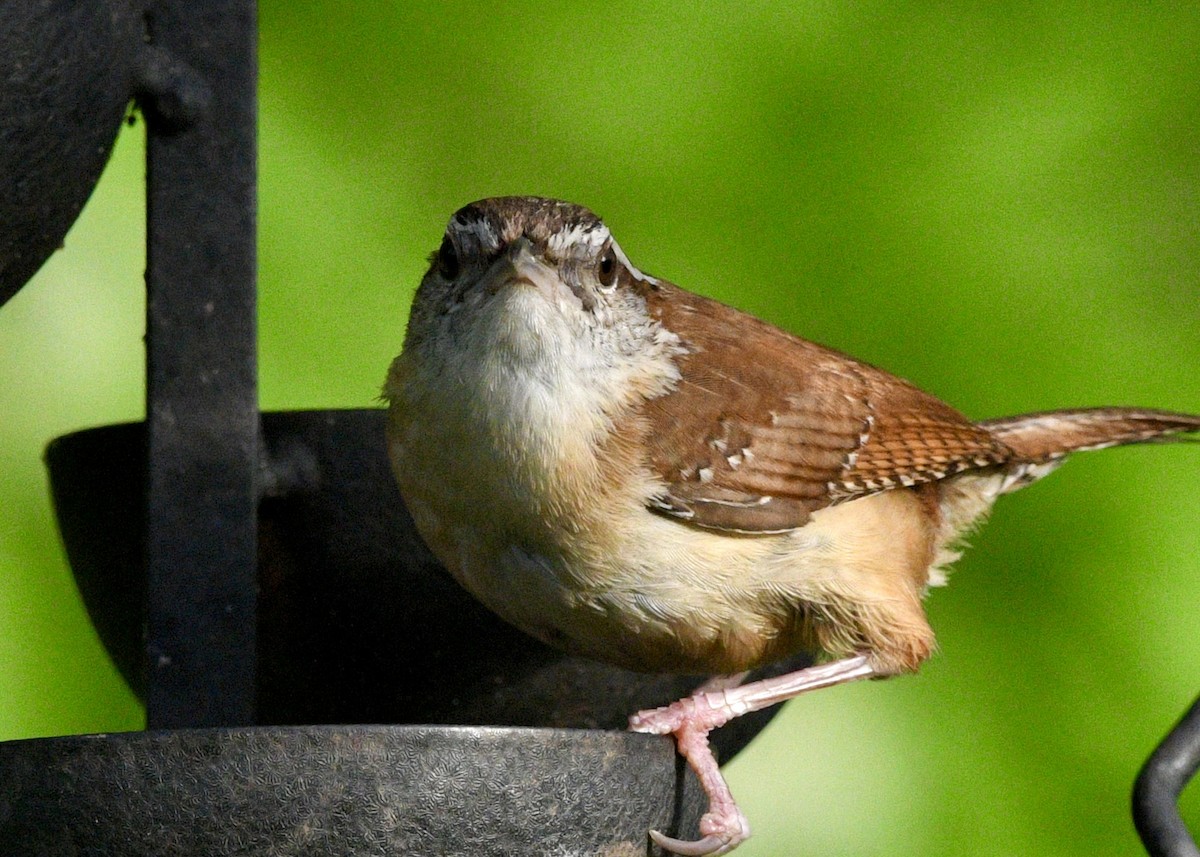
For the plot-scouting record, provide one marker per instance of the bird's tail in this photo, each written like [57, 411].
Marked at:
[1048, 436]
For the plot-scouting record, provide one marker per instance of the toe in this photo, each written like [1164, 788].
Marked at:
[721, 835]
[709, 846]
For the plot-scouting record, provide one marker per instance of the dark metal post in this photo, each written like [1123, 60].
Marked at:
[198, 94]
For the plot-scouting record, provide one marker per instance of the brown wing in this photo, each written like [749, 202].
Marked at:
[766, 428]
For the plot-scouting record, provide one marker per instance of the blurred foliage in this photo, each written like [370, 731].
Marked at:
[1002, 204]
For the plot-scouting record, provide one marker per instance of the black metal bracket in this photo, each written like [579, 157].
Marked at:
[198, 90]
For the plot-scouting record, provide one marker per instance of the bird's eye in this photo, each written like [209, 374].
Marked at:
[606, 270]
[447, 259]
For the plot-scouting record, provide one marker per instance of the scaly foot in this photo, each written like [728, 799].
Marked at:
[724, 827]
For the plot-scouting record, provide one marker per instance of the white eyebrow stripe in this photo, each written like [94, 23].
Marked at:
[481, 230]
[624, 260]
[592, 235]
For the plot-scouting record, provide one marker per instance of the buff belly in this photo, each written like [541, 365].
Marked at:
[658, 595]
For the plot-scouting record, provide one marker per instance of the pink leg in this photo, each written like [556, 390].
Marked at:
[690, 720]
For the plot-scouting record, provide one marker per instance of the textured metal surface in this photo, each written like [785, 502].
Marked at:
[358, 623]
[342, 791]
[202, 417]
[1156, 793]
[67, 71]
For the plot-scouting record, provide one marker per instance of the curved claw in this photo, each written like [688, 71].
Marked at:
[710, 846]
[722, 833]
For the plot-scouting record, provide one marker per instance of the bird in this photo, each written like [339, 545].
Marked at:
[638, 474]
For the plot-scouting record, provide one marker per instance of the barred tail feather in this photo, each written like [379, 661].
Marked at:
[1050, 435]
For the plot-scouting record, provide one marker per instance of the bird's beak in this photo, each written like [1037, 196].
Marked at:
[519, 265]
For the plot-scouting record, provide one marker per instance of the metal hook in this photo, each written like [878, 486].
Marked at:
[1156, 790]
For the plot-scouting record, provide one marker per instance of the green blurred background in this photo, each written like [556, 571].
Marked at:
[1001, 205]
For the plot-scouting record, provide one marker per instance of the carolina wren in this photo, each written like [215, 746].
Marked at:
[638, 474]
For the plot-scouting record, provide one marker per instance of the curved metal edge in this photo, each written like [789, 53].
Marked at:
[343, 790]
[66, 80]
[1156, 791]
